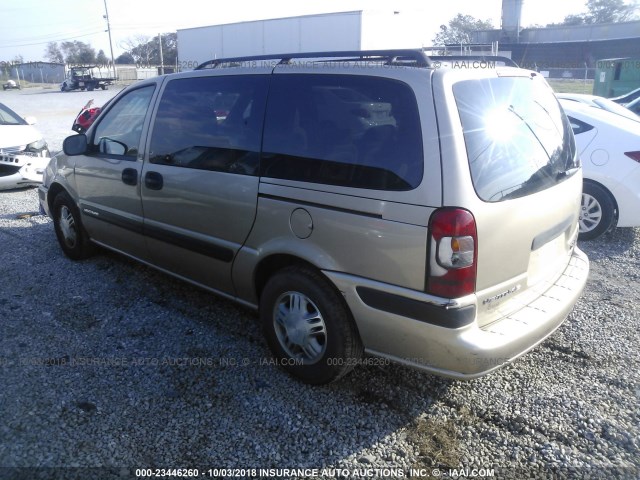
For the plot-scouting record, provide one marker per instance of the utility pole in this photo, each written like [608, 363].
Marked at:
[106, 17]
[161, 59]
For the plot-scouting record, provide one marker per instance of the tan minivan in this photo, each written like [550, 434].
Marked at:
[367, 201]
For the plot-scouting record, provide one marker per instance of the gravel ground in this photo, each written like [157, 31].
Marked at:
[109, 364]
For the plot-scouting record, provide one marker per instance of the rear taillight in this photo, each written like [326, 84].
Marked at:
[633, 156]
[453, 247]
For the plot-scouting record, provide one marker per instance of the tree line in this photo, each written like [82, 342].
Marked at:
[140, 50]
[460, 27]
[145, 50]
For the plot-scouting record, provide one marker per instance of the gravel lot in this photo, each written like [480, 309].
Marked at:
[109, 364]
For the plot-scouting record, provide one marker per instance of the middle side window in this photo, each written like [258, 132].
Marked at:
[211, 123]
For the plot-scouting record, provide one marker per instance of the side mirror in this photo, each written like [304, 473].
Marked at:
[112, 147]
[30, 120]
[75, 145]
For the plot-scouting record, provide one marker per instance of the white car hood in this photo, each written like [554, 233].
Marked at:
[17, 135]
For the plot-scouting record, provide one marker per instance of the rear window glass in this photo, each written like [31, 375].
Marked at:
[518, 139]
[354, 131]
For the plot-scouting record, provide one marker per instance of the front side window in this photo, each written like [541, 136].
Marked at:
[346, 130]
[119, 130]
[211, 123]
[518, 139]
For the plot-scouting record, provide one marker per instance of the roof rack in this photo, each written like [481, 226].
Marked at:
[390, 57]
[478, 58]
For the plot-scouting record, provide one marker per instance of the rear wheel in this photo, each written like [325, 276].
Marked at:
[71, 235]
[597, 211]
[308, 326]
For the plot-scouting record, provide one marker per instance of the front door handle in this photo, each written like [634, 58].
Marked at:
[153, 181]
[130, 176]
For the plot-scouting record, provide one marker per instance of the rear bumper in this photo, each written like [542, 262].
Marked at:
[627, 196]
[467, 351]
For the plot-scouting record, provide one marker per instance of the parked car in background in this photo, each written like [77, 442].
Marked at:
[609, 147]
[11, 85]
[627, 97]
[598, 102]
[634, 106]
[23, 152]
[85, 117]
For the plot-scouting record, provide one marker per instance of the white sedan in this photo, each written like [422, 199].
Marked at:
[23, 152]
[598, 102]
[609, 147]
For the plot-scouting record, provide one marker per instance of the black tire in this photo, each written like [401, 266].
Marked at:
[90, 88]
[334, 349]
[597, 211]
[72, 237]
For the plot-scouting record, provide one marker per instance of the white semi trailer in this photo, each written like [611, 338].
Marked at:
[354, 30]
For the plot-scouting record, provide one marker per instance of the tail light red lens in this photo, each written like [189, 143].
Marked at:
[453, 247]
[633, 156]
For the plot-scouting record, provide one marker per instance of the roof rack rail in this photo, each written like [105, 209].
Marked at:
[480, 58]
[391, 57]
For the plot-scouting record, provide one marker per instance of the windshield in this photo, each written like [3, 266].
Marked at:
[9, 117]
[518, 139]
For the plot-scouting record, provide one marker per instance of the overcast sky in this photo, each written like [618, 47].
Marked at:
[28, 25]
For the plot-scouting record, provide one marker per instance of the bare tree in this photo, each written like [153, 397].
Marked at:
[145, 50]
[140, 48]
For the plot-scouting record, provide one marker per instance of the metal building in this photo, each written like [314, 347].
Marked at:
[354, 30]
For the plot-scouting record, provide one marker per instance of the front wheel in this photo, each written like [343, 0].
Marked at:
[308, 326]
[597, 211]
[71, 235]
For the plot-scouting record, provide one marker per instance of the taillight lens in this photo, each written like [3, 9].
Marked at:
[453, 247]
[633, 156]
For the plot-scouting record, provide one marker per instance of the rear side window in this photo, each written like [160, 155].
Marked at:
[578, 126]
[518, 139]
[211, 123]
[355, 131]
